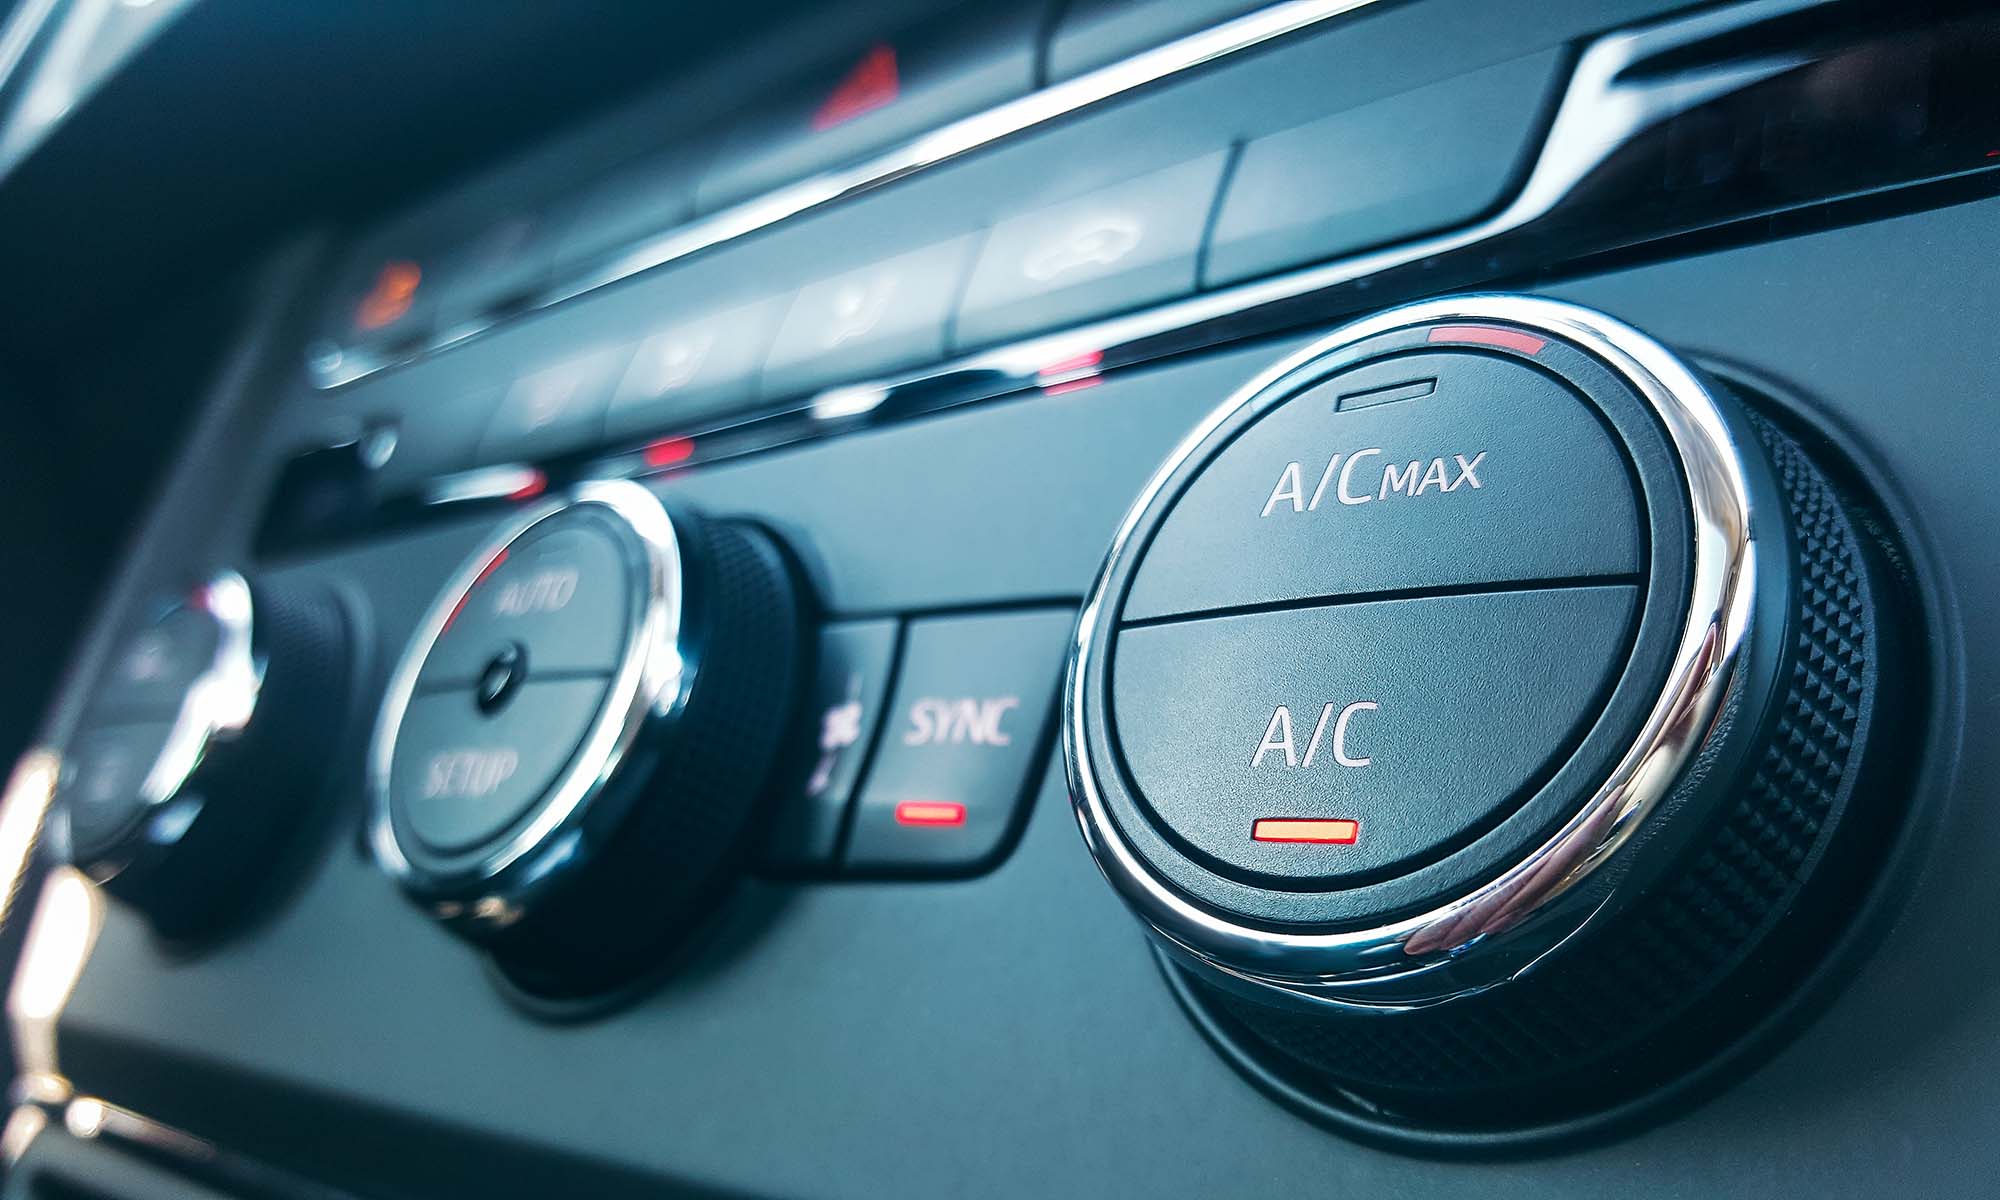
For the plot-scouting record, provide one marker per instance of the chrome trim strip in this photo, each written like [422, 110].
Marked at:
[331, 369]
[1398, 964]
[651, 682]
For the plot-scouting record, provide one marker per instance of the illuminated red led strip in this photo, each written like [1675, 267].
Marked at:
[1316, 831]
[1489, 335]
[536, 484]
[667, 451]
[492, 565]
[930, 812]
[1071, 374]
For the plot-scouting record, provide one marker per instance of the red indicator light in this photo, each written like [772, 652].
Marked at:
[667, 451]
[536, 484]
[1319, 832]
[871, 84]
[492, 565]
[1489, 335]
[1071, 374]
[930, 812]
[1086, 361]
[394, 290]
[1071, 385]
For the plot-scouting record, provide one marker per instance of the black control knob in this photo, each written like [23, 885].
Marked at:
[1486, 712]
[203, 745]
[575, 743]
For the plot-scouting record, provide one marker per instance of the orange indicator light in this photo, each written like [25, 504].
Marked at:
[386, 302]
[1321, 832]
[1489, 335]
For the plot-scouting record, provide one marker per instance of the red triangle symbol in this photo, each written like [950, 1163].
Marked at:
[870, 85]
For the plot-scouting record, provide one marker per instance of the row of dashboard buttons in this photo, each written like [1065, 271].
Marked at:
[924, 750]
[697, 352]
[460, 260]
[1142, 241]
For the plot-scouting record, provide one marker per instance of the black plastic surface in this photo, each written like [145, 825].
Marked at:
[1427, 159]
[1420, 719]
[499, 257]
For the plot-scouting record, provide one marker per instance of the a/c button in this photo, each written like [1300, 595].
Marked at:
[966, 730]
[1310, 746]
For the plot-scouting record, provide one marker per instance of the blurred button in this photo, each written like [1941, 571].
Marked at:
[156, 665]
[561, 596]
[1411, 164]
[496, 269]
[698, 365]
[632, 202]
[973, 699]
[876, 95]
[383, 301]
[103, 771]
[846, 707]
[1131, 244]
[461, 775]
[554, 409]
[437, 427]
[884, 317]
[1094, 33]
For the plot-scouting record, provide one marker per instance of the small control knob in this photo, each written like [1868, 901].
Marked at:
[573, 747]
[203, 745]
[1489, 715]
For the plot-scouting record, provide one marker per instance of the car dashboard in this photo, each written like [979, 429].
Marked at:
[1066, 598]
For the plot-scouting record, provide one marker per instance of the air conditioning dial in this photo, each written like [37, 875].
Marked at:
[1484, 712]
[204, 747]
[572, 749]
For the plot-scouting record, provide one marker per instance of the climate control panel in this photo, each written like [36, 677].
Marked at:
[603, 721]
